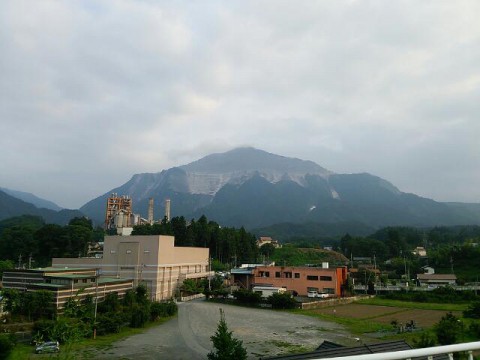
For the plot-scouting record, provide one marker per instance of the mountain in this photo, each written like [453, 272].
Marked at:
[253, 188]
[11, 206]
[32, 199]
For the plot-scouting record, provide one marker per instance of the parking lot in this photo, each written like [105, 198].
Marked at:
[263, 332]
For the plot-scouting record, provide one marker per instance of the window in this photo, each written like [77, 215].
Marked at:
[312, 289]
[312, 277]
[287, 275]
[75, 281]
[277, 274]
[297, 275]
[325, 278]
[329, 290]
[84, 281]
[264, 274]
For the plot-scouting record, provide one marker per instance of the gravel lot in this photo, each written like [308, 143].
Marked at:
[263, 332]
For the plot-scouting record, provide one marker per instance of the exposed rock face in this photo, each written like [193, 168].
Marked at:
[253, 188]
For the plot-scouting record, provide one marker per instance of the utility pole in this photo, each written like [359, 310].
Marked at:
[96, 305]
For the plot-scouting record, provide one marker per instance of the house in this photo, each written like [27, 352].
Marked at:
[153, 260]
[436, 279]
[420, 251]
[66, 283]
[262, 240]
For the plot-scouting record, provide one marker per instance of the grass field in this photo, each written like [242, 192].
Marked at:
[376, 315]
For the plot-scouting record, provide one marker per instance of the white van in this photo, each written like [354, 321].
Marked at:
[266, 291]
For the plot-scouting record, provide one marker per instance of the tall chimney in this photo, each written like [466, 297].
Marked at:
[150, 211]
[167, 209]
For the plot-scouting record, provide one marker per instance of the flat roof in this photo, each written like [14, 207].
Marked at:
[71, 276]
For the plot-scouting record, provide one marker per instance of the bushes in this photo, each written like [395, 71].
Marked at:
[162, 309]
[247, 297]
[7, 342]
[473, 311]
[448, 329]
[282, 301]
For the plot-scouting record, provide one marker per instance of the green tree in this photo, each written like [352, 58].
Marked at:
[226, 347]
[448, 330]
[6, 265]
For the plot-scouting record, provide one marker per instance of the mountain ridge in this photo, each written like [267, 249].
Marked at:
[253, 188]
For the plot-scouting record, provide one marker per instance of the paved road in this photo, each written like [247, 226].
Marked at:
[263, 332]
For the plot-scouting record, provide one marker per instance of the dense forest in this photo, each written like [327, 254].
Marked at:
[27, 240]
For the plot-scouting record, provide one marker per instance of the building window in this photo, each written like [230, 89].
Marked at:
[84, 281]
[297, 275]
[312, 277]
[267, 273]
[325, 278]
[75, 281]
[287, 275]
[277, 274]
[329, 290]
[312, 289]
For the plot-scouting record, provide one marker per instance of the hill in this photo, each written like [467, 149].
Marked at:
[11, 206]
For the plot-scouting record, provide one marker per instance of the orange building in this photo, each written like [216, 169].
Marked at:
[301, 280]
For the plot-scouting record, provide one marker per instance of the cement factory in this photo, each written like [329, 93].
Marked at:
[119, 214]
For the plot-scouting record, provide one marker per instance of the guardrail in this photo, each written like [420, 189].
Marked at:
[414, 353]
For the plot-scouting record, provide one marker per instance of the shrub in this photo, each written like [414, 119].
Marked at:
[473, 311]
[139, 315]
[247, 296]
[7, 343]
[282, 301]
[448, 329]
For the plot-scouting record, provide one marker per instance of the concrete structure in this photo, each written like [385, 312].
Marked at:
[301, 280]
[153, 260]
[436, 279]
[66, 283]
[267, 240]
[167, 209]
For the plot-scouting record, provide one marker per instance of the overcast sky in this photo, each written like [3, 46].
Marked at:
[93, 92]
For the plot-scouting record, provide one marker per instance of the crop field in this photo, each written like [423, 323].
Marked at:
[385, 314]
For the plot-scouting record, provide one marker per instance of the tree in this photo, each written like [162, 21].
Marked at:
[226, 347]
[448, 329]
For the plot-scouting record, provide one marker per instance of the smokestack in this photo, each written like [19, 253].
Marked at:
[150, 211]
[167, 209]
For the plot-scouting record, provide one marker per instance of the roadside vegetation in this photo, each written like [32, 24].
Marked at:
[80, 320]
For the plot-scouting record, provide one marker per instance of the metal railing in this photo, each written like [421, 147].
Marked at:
[415, 353]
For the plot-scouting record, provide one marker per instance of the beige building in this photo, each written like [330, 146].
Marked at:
[153, 260]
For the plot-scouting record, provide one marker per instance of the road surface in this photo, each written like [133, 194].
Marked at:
[263, 332]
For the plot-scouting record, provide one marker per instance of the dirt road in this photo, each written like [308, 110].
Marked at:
[263, 332]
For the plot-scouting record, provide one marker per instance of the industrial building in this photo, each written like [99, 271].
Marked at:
[119, 214]
[153, 260]
[66, 283]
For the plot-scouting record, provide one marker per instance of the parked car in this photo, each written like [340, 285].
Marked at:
[316, 294]
[48, 347]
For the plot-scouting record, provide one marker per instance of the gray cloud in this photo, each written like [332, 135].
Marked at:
[93, 92]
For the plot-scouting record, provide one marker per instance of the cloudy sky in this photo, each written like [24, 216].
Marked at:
[95, 91]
